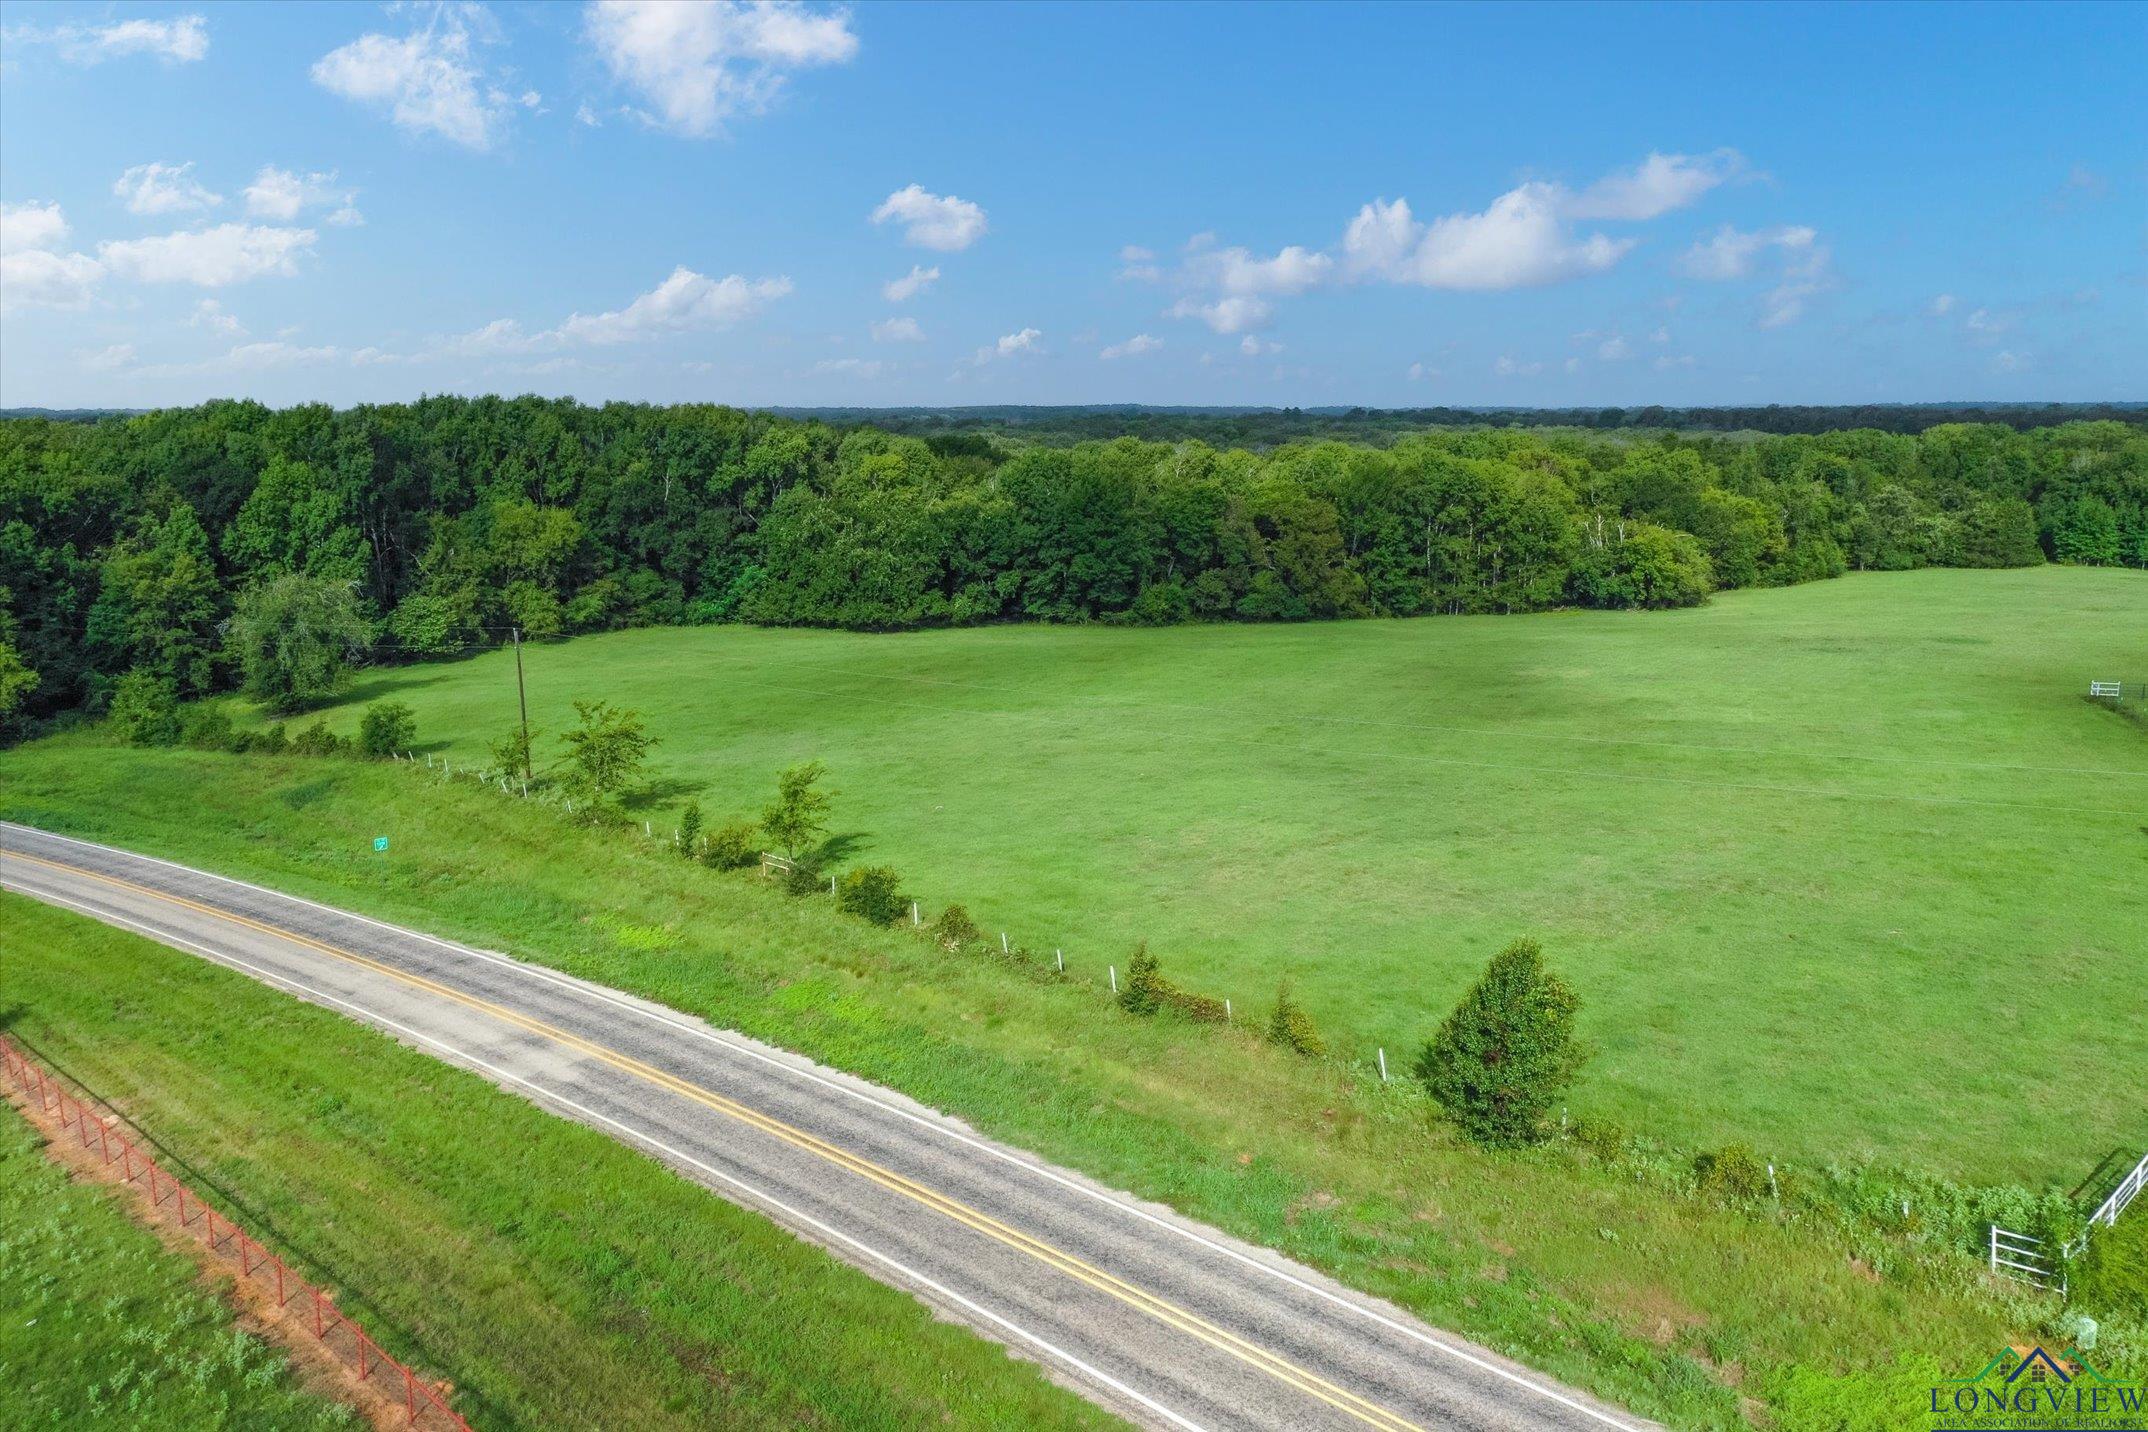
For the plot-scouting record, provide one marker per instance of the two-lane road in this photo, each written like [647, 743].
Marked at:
[1162, 1320]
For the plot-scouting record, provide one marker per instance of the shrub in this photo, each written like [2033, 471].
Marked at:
[605, 751]
[1197, 1007]
[1605, 1138]
[1501, 1060]
[387, 727]
[1733, 1173]
[872, 892]
[208, 728]
[732, 847]
[955, 929]
[271, 741]
[1144, 990]
[1291, 1026]
[511, 754]
[688, 840]
[804, 879]
[318, 740]
[145, 710]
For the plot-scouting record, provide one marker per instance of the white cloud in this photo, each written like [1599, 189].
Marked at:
[911, 284]
[584, 114]
[37, 278]
[210, 314]
[899, 330]
[1521, 241]
[1985, 321]
[1225, 315]
[1941, 305]
[1254, 347]
[1661, 335]
[1010, 345]
[2008, 361]
[855, 367]
[31, 226]
[180, 40]
[1614, 349]
[1515, 368]
[933, 221]
[697, 66]
[1666, 362]
[1420, 372]
[212, 258]
[1805, 265]
[1133, 347]
[106, 360]
[283, 194]
[163, 189]
[1659, 184]
[685, 300]
[1135, 254]
[428, 81]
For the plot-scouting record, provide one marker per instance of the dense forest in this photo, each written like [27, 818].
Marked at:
[127, 543]
[1261, 428]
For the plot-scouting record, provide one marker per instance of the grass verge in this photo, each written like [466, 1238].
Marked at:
[102, 1326]
[1683, 1310]
[558, 1278]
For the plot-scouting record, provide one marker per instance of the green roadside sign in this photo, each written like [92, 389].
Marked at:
[380, 843]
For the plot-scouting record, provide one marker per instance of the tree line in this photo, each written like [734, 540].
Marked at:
[198, 546]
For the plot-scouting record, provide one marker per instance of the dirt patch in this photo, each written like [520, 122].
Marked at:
[254, 1308]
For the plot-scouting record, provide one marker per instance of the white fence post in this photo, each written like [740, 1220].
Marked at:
[914, 921]
[1113, 971]
[1383, 1065]
[1226, 1009]
[1003, 947]
[1062, 957]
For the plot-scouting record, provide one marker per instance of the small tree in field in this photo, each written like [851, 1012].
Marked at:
[690, 830]
[1501, 1060]
[1144, 990]
[1291, 1027]
[605, 750]
[800, 809]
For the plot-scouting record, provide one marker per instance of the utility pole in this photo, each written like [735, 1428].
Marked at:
[522, 695]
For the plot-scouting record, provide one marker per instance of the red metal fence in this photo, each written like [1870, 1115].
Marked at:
[423, 1404]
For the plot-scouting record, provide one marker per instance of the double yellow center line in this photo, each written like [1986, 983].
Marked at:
[1142, 1301]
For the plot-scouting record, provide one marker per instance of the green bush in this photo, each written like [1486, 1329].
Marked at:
[805, 879]
[955, 930]
[271, 741]
[2111, 1276]
[1291, 1027]
[1733, 1174]
[688, 841]
[872, 892]
[386, 728]
[1605, 1138]
[145, 710]
[1197, 1007]
[318, 740]
[1502, 1059]
[732, 847]
[208, 728]
[1144, 988]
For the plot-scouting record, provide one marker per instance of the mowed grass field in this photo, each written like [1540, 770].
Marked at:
[558, 1278]
[1847, 870]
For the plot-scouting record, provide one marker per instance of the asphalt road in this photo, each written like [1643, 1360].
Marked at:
[1164, 1321]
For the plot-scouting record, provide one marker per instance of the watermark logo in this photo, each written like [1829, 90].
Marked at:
[2032, 1389]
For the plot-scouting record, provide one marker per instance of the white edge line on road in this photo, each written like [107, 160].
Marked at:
[539, 1092]
[564, 980]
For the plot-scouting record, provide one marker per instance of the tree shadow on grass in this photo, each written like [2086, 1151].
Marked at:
[839, 847]
[662, 791]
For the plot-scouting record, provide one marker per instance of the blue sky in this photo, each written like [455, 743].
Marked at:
[1203, 204]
